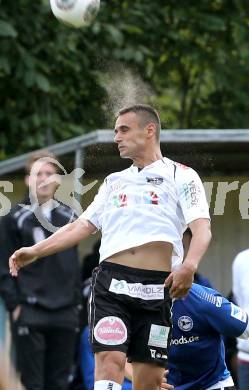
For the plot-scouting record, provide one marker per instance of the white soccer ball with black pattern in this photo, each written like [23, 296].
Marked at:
[75, 13]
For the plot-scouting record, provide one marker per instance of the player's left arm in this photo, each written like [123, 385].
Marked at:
[181, 278]
[201, 237]
[195, 211]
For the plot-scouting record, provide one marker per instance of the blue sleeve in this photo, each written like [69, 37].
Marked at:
[86, 360]
[222, 315]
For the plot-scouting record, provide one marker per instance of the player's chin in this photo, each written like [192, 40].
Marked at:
[124, 154]
[45, 194]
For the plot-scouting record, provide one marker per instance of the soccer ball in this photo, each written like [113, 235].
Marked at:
[75, 13]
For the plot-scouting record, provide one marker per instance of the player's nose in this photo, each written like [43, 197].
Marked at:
[117, 138]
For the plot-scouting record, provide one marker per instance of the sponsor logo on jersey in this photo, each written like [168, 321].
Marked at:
[110, 331]
[238, 313]
[158, 336]
[185, 323]
[137, 290]
[191, 192]
[154, 180]
[184, 340]
[116, 185]
[150, 197]
[211, 298]
[120, 200]
[218, 301]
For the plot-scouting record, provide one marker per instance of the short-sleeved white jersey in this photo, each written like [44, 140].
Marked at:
[156, 203]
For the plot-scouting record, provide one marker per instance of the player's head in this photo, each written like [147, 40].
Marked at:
[137, 128]
[39, 167]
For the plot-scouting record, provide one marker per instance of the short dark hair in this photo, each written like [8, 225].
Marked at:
[148, 114]
[35, 156]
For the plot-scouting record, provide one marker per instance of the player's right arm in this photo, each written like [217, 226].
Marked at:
[64, 238]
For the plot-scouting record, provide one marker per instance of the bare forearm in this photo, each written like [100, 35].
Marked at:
[64, 238]
[199, 243]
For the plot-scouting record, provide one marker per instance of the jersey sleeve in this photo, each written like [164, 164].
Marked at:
[191, 194]
[225, 317]
[96, 208]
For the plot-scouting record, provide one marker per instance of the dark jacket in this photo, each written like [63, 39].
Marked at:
[51, 283]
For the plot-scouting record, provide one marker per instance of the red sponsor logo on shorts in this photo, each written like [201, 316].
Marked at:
[110, 331]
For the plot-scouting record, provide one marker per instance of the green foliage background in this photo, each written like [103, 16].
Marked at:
[190, 59]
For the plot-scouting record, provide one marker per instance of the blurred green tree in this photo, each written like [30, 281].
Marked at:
[190, 60]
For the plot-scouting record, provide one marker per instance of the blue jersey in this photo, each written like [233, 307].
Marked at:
[196, 357]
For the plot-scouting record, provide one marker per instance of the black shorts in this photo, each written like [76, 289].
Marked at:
[129, 311]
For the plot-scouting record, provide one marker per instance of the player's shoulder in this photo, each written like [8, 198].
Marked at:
[21, 209]
[18, 214]
[205, 295]
[117, 175]
[176, 164]
[181, 171]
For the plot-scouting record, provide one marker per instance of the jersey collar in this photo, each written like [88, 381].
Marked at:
[134, 169]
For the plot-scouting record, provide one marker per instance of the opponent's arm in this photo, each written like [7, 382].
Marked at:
[64, 238]
[224, 316]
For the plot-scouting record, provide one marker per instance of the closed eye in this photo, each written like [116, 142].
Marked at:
[121, 129]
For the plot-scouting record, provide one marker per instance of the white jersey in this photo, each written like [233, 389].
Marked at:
[156, 203]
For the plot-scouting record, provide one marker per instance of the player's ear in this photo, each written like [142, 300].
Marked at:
[151, 130]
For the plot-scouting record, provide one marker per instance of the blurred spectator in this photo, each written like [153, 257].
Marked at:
[43, 300]
[240, 270]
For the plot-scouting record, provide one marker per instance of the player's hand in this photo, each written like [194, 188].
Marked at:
[180, 281]
[20, 258]
[166, 385]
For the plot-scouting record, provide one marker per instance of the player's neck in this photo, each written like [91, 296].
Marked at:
[147, 159]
